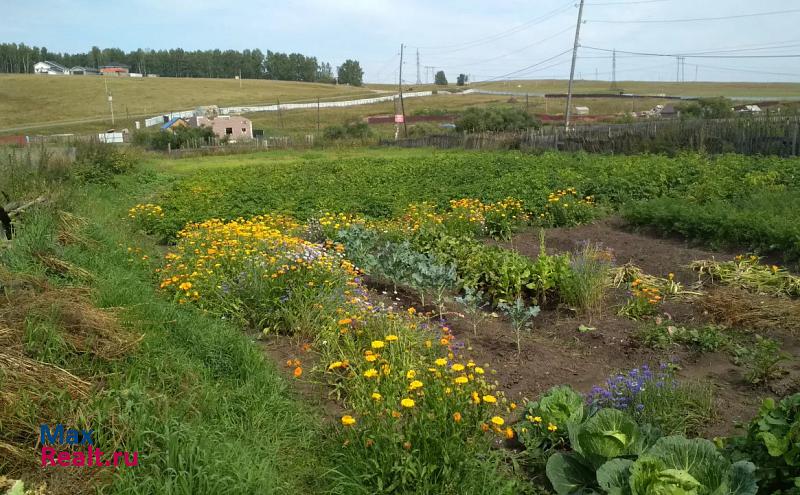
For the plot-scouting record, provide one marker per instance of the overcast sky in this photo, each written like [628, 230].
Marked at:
[487, 39]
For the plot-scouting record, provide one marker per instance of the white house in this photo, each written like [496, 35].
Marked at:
[51, 68]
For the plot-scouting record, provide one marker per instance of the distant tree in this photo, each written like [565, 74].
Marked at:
[350, 73]
[708, 108]
[440, 79]
[462, 80]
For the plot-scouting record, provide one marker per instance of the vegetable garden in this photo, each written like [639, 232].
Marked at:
[423, 291]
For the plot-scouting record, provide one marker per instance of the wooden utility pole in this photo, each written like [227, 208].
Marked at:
[400, 87]
[280, 114]
[572, 69]
[317, 114]
[110, 99]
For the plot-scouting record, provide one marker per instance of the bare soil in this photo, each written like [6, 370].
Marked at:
[556, 352]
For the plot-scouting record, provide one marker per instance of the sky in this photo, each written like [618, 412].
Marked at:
[489, 40]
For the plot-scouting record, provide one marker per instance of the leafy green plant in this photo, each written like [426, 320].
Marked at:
[762, 360]
[708, 338]
[544, 427]
[473, 302]
[427, 274]
[521, 315]
[611, 454]
[772, 441]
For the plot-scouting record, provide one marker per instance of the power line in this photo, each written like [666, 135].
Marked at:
[689, 55]
[568, 28]
[634, 2]
[526, 68]
[696, 19]
[503, 34]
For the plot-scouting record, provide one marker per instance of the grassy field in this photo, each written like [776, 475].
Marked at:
[732, 89]
[28, 101]
[51, 105]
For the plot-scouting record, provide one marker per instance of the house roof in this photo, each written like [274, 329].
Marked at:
[171, 122]
[54, 65]
[114, 65]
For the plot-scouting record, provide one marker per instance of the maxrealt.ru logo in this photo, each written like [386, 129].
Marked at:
[74, 440]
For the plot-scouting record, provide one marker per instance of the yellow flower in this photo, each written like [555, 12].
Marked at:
[551, 427]
[457, 367]
[386, 369]
[411, 374]
[391, 338]
[509, 433]
[335, 365]
[461, 380]
[537, 419]
[441, 362]
[348, 420]
[478, 370]
[457, 417]
[185, 286]
[345, 321]
[415, 385]
[376, 396]
[497, 420]
[512, 406]
[411, 310]
[409, 403]
[476, 399]
[371, 373]
[378, 344]
[491, 399]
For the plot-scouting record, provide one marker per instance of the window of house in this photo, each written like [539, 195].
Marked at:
[229, 130]
[244, 129]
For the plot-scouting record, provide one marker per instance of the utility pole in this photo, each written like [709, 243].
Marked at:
[678, 69]
[280, 114]
[614, 69]
[400, 87]
[419, 81]
[317, 114]
[572, 68]
[110, 99]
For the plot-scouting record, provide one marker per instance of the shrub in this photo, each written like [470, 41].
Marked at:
[176, 138]
[350, 130]
[98, 162]
[498, 119]
[761, 360]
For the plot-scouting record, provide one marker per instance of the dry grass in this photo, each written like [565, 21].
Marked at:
[735, 307]
[31, 388]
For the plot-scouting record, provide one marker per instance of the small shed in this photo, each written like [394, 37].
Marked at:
[84, 71]
[581, 110]
[669, 111]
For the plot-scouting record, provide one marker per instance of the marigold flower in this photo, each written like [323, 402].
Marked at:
[408, 403]
[478, 370]
[378, 344]
[391, 338]
[396, 414]
[376, 396]
[484, 427]
[411, 374]
[371, 373]
[444, 341]
[371, 357]
[441, 362]
[509, 433]
[415, 385]
[512, 406]
[345, 321]
[461, 380]
[185, 286]
[552, 427]
[457, 367]
[335, 365]
[537, 419]
[297, 372]
[386, 369]
[412, 311]
[457, 417]
[348, 420]
[497, 420]
[491, 399]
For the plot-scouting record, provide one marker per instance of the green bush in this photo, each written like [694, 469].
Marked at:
[499, 119]
[351, 130]
[176, 138]
[98, 162]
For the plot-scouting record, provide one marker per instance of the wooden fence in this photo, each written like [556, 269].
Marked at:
[750, 136]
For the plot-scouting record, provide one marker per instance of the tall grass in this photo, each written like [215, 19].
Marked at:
[199, 402]
[584, 287]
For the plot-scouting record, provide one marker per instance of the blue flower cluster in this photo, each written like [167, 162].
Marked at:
[623, 391]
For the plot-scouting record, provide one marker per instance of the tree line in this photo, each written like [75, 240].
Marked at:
[176, 62]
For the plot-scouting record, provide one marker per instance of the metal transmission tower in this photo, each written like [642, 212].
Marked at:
[572, 69]
[419, 81]
[614, 69]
